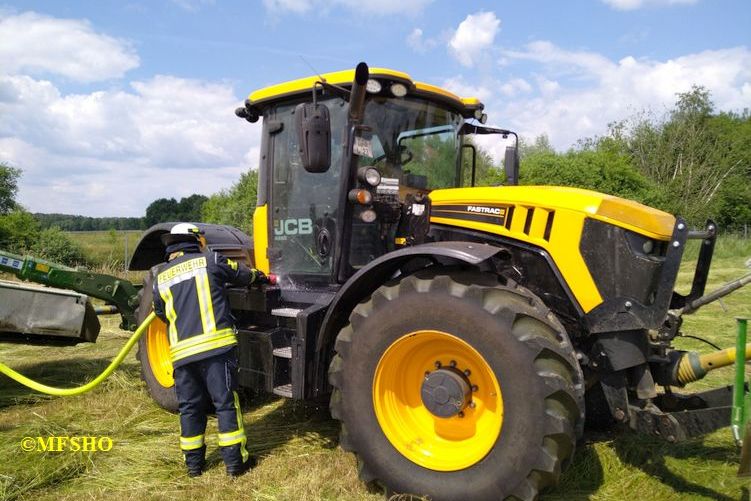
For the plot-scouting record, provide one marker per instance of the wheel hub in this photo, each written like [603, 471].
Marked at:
[445, 392]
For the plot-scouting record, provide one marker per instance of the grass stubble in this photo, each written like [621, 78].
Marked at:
[296, 442]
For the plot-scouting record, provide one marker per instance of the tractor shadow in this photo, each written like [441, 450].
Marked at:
[272, 423]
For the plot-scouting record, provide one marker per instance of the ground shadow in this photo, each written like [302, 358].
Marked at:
[648, 454]
[291, 419]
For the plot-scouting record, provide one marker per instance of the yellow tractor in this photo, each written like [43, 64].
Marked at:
[463, 333]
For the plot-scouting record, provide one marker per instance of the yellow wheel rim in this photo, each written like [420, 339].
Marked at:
[157, 349]
[437, 443]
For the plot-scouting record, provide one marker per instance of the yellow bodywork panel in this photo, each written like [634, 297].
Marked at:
[261, 238]
[551, 218]
[293, 87]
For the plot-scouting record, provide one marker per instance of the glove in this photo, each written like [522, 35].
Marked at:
[260, 277]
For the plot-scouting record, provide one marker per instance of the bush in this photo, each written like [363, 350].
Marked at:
[54, 245]
[18, 231]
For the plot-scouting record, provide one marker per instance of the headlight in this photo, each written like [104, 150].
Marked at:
[369, 176]
[368, 215]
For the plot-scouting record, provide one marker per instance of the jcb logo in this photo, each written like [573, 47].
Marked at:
[288, 227]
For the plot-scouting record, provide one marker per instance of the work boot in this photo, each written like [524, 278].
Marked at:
[242, 469]
[195, 461]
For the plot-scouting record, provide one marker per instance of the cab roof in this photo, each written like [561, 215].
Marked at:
[268, 95]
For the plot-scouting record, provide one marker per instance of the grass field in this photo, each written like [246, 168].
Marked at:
[107, 248]
[297, 442]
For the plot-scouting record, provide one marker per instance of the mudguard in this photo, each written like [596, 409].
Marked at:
[226, 240]
[376, 273]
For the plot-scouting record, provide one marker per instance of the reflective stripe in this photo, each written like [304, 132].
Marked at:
[169, 307]
[191, 443]
[181, 271]
[205, 306]
[231, 438]
[211, 343]
[201, 339]
[237, 436]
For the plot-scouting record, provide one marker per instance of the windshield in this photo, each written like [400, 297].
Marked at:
[415, 141]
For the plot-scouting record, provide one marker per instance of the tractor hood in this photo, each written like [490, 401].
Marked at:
[627, 214]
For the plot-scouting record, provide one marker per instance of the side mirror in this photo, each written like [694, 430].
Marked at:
[511, 165]
[314, 136]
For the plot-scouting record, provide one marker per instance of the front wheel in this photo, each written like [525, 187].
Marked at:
[456, 387]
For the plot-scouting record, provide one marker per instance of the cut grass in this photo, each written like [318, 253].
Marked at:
[297, 442]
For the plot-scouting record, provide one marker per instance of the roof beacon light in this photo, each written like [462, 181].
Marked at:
[398, 89]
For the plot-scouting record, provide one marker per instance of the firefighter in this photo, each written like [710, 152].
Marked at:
[190, 297]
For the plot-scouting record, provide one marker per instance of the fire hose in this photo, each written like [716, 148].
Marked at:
[67, 392]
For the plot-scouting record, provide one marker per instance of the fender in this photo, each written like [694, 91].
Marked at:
[374, 274]
[224, 239]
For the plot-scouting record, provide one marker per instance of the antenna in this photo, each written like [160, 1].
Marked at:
[312, 68]
[322, 80]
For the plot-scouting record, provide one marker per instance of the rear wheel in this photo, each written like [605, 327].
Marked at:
[457, 387]
[153, 352]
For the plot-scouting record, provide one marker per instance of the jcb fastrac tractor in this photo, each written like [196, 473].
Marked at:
[463, 333]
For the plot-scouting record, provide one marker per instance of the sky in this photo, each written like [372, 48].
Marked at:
[108, 105]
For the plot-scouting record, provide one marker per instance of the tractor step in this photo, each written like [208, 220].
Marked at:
[286, 312]
[283, 391]
[283, 352]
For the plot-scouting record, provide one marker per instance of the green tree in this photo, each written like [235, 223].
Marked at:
[234, 206]
[690, 154]
[8, 187]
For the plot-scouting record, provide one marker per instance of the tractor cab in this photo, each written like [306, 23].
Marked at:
[348, 160]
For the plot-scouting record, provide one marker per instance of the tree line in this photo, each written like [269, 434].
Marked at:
[692, 161]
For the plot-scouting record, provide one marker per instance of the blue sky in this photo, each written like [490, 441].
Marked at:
[109, 105]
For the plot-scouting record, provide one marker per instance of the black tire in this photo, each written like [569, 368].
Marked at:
[165, 396]
[522, 342]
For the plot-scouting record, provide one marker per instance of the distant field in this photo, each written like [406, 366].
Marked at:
[107, 248]
[297, 442]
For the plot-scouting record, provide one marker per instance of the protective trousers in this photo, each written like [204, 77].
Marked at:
[199, 385]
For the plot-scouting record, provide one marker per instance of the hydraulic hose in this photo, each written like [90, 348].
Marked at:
[67, 392]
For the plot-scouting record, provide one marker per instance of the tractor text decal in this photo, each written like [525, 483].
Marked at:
[293, 226]
[495, 214]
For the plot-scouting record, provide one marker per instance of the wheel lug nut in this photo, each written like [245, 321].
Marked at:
[461, 414]
[467, 372]
[427, 373]
[437, 365]
[472, 405]
[474, 387]
[452, 363]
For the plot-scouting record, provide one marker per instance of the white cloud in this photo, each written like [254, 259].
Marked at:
[638, 4]
[381, 7]
[473, 37]
[515, 86]
[580, 92]
[417, 42]
[114, 151]
[38, 44]
[193, 5]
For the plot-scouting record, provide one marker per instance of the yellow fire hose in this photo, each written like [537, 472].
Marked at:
[67, 392]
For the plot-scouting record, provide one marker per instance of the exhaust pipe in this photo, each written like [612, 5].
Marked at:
[357, 97]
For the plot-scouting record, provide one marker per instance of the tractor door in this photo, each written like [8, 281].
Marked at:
[303, 206]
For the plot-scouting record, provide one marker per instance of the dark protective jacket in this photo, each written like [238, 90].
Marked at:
[190, 297]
